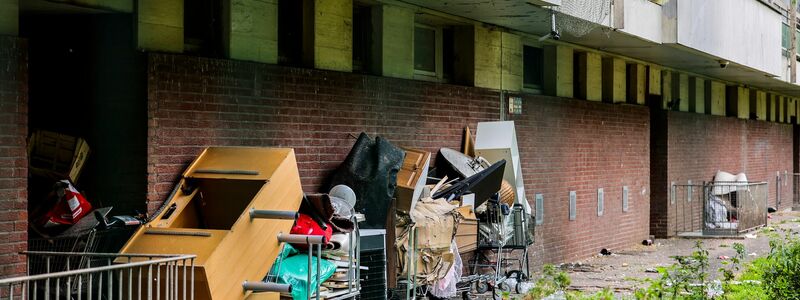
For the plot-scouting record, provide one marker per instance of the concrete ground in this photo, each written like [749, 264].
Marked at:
[619, 270]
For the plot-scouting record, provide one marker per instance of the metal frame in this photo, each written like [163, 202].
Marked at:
[744, 205]
[117, 269]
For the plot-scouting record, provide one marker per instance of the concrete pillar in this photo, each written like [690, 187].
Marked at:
[160, 25]
[717, 98]
[782, 109]
[558, 62]
[771, 106]
[512, 66]
[393, 41]
[252, 30]
[589, 81]
[666, 88]
[654, 80]
[9, 17]
[487, 57]
[328, 40]
[737, 102]
[682, 91]
[790, 109]
[761, 105]
[797, 111]
[636, 83]
[613, 80]
[697, 95]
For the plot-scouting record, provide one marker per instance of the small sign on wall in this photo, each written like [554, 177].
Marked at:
[515, 105]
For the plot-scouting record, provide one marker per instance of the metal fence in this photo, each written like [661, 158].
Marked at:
[104, 276]
[719, 208]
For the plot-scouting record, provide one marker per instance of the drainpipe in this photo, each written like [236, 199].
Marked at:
[793, 41]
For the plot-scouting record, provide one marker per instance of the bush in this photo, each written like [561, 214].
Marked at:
[781, 271]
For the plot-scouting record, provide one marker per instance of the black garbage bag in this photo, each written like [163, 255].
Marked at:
[370, 169]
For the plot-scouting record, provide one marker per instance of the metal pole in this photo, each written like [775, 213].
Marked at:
[319, 258]
[308, 283]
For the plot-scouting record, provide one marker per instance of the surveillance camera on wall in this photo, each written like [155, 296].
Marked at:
[555, 35]
[723, 63]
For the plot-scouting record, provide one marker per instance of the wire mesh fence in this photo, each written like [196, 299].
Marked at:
[719, 208]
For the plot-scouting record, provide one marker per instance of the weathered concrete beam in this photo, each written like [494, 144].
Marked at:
[512, 65]
[122, 6]
[588, 85]
[328, 38]
[252, 30]
[636, 83]
[558, 64]
[393, 41]
[160, 25]
[9, 17]
[666, 88]
[613, 79]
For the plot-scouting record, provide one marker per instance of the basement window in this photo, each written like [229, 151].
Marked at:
[202, 34]
[532, 68]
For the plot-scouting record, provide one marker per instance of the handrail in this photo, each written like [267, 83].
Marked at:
[53, 253]
[96, 269]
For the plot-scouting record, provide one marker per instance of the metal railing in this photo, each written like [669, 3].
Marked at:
[105, 276]
[687, 202]
[733, 208]
[718, 208]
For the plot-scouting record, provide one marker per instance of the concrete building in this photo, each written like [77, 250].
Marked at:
[634, 96]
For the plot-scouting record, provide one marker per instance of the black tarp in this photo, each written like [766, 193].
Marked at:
[370, 169]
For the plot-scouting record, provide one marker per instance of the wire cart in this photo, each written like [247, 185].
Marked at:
[496, 246]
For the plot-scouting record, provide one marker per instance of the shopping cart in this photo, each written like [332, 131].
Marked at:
[501, 232]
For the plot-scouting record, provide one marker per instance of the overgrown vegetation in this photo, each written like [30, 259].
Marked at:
[775, 276]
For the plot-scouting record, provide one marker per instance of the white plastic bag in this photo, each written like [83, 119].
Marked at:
[446, 287]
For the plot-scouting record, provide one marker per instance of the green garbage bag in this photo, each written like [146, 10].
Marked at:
[294, 271]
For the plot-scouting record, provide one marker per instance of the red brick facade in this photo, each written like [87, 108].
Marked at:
[576, 145]
[565, 144]
[699, 145]
[13, 161]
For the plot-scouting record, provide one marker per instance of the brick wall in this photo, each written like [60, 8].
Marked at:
[699, 145]
[13, 161]
[565, 144]
[574, 145]
[197, 102]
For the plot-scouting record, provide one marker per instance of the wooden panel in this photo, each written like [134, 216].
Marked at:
[202, 246]
[415, 164]
[264, 161]
[248, 251]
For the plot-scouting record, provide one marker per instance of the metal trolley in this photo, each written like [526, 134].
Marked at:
[497, 246]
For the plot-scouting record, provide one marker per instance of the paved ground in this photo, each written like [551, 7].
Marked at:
[617, 271]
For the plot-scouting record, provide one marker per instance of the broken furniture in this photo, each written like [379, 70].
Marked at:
[411, 178]
[232, 208]
[497, 141]
[56, 156]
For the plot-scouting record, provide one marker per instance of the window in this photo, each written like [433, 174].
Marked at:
[362, 38]
[532, 68]
[202, 34]
[785, 38]
[425, 50]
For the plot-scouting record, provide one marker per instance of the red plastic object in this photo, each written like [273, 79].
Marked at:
[68, 210]
[305, 225]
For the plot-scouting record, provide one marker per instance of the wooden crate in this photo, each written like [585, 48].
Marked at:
[55, 155]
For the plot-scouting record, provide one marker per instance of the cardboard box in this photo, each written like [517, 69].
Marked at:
[467, 231]
[57, 156]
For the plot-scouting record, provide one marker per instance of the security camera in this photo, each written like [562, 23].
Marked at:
[555, 35]
[723, 63]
